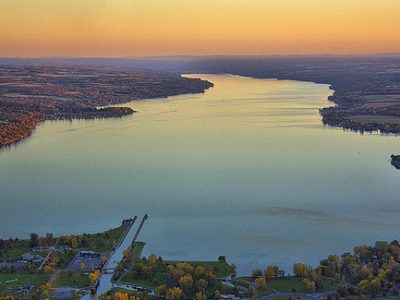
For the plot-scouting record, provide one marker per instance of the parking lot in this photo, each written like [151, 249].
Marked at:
[85, 261]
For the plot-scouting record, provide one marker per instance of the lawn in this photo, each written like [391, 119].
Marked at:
[157, 280]
[16, 252]
[287, 284]
[64, 258]
[137, 250]
[71, 279]
[104, 241]
[35, 279]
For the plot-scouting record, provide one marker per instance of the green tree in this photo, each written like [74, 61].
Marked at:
[201, 284]
[33, 240]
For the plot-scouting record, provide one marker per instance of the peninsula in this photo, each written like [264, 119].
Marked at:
[31, 93]
[395, 160]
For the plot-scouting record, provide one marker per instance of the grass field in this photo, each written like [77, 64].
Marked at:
[158, 279]
[104, 241]
[9, 280]
[288, 284]
[137, 250]
[16, 252]
[71, 279]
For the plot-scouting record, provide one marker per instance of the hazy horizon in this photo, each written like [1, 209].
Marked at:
[183, 56]
[118, 29]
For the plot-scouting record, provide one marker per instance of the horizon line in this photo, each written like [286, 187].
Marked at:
[188, 56]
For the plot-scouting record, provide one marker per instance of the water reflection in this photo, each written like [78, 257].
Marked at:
[245, 170]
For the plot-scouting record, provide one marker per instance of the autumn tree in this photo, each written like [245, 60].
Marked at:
[186, 283]
[94, 276]
[201, 296]
[161, 291]
[309, 284]
[175, 293]
[271, 272]
[261, 283]
[48, 269]
[121, 296]
[300, 269]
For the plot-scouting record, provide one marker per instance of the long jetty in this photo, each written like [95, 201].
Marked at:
[133, 244]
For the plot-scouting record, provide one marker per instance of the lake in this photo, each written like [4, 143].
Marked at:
[245, 170]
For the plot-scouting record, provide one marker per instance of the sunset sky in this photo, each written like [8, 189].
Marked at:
[115, 28]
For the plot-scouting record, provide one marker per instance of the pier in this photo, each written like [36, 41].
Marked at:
[105, 283]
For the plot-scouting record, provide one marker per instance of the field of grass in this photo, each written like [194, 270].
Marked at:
[9, 280]
[105, 241]
[71, 279]
[157, 280]
[137, 250]
[64, 258]
[16, 252]
[287, 284]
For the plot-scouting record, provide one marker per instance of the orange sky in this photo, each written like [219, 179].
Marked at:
[113, 28]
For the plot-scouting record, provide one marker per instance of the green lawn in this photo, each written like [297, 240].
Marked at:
[137, 250]
[35, 279]
[287, 284]
[41, 253]
[105, 241]
[16, 252]
[71, 279]
[158, 279]
[64, 258]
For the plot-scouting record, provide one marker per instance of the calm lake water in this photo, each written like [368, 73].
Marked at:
[245, 170]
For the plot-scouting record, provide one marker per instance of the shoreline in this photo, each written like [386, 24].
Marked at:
[32, 94]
